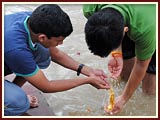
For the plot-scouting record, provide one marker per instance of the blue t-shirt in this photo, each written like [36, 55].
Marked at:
[18, 47]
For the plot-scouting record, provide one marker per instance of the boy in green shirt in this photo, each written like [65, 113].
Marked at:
[129, 29]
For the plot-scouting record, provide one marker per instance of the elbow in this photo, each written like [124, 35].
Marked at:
[46, 89]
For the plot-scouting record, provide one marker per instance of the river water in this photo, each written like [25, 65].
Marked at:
[85, 100]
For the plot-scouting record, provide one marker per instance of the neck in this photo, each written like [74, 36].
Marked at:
[33, 35]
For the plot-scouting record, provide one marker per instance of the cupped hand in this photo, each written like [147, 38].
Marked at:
[119, 103]
[115, 66]
[99, 73]
[99, 83]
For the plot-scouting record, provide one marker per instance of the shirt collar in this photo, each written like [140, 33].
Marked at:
[31, 44]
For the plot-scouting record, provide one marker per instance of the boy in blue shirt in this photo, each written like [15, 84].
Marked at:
[30, 41]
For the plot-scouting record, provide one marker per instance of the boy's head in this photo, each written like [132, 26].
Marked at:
[104, 31]
[50, 20]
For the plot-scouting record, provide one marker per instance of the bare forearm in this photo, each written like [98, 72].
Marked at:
[63, 59]
[63, 85]
[135, 78]
[48, 86]
[42, 83]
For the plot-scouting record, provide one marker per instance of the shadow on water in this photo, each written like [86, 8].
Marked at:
[85, 100]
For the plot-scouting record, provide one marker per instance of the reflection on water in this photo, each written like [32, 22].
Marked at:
[85, 100]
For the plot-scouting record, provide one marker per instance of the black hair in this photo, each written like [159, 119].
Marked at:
[50, 20]
[104, 31]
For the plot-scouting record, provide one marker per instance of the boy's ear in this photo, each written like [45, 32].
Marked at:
[126, 29]
[42, 37]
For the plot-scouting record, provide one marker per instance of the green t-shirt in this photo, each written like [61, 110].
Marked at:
[141, 20]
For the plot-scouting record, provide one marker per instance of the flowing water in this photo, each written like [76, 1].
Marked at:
[85, 100]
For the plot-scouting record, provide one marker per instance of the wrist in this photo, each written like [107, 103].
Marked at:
[86, 71]
[124, 99]
[79, 70]
[116, 54]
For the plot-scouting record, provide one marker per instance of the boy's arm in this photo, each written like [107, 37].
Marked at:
[48, 86]
[135, 78]
[63, 59]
